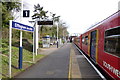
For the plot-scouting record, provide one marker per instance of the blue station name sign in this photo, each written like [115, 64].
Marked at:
[20, 26]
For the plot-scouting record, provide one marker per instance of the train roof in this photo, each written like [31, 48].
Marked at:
[101, 22]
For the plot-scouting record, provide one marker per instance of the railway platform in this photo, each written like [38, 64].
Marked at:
[65, 63]
[85, 70]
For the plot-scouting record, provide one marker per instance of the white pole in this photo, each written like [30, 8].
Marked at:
[20, 38]
[21, 21]
[34, 42]
[21, 10]
[36, 38]
[20, 48]
[57, 32]
[57, 35]
[33, 48]
[10, 43]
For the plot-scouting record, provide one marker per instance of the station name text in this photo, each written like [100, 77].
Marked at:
[112, 69]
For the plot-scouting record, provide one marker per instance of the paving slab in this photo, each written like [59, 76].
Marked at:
[86, 70]
[55, 65]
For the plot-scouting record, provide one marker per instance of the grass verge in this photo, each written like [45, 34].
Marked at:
[27, 60]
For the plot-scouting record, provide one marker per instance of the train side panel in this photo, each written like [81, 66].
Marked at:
[80, 42]
[109, 62]
[84, 43]
[102, 44]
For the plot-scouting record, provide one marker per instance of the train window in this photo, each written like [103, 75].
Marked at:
[114, 31]
[86, 40]
[78, 40]
[83, 40]
[75, 40]
[112, 41]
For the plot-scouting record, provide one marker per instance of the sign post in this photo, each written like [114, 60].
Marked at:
[36, 39]
[57, 35]
[33, 48]
[20, 51]
[20, 48]
[10, 43]
[36, 30]
[22, 27]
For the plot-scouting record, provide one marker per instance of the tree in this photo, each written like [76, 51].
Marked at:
[62, 26]
[39, 12]
[55, 18]
[7, 14]
[7, 8]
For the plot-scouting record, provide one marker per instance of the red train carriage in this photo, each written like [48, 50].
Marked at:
[77, 41]
[102, 44]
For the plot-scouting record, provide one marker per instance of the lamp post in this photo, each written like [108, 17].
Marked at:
[33, 40]
[57, 34]
[35, 36]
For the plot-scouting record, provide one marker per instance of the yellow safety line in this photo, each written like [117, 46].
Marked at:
[70, 66]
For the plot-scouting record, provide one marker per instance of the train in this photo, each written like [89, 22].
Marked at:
[101, 43]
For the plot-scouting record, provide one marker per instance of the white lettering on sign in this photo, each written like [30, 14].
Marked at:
[26, 13]
[29, 28]
[112, 69]
[22, 27]
[17, 25]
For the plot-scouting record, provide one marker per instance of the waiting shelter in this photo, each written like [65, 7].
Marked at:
[46, 41]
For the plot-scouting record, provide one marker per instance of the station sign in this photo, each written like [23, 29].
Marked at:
[26, 13]
[20, 26]
[45, 23]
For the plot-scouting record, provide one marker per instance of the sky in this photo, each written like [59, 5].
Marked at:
[78, 14]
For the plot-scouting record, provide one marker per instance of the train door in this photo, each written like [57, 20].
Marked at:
[93, 46]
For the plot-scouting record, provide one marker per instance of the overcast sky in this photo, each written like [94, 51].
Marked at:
[78, 14]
